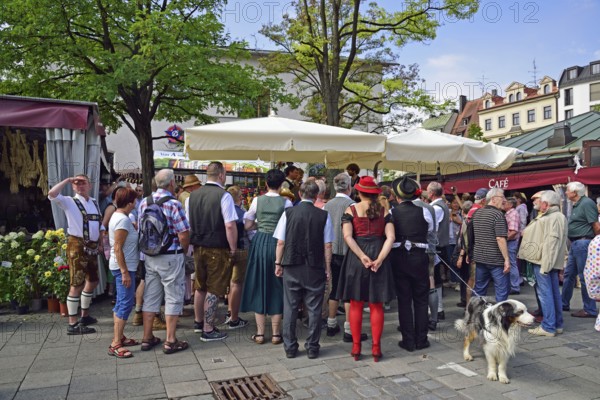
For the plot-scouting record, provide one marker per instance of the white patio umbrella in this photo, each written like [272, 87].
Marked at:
[282, 139]
[423, 151]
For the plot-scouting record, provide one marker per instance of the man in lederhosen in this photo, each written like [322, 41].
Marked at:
[84, 225]
[410, 264]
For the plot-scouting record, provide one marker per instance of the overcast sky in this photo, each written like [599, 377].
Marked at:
[497, 46]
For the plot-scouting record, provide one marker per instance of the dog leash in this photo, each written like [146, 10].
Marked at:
[466, 284]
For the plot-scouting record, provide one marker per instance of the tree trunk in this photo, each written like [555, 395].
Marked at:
[144, 134]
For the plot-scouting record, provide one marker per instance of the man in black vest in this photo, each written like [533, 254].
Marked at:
[410, 260]
[303, 259]
[214, 235]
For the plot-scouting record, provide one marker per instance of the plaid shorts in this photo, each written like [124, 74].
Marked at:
[82, 266]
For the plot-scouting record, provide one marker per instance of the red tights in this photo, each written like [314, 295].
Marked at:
[356, 316]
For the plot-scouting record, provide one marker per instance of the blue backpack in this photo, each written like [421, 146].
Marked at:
[154, 236]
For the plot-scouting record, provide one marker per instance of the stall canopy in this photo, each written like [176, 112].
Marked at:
[424, 152]
[280, 139]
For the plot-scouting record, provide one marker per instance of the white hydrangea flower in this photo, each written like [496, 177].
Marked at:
[31, 252]
[38, 235]
[14, 245]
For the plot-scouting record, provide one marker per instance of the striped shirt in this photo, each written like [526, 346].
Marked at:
[489, 223]
[176, 219]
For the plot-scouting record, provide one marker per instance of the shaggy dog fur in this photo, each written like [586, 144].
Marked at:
[498, 327]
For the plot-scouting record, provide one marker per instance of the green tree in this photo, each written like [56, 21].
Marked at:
[340, 53]
[139, 60]
[474, 131]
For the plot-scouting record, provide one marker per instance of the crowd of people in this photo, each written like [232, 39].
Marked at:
[297, 253]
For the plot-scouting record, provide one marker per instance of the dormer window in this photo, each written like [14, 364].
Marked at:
[487, 104]
[518, 96]
[546, 89]
[511, 98]
[595, 68]
[465, 121]
[572, 73]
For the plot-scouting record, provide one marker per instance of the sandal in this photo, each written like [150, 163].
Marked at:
[119, 351]
[150, 343]
[129, 342]
[258, 339]
[174, 347]
[276, 339]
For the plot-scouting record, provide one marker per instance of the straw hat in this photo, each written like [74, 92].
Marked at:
[287, 193]
[191, 180]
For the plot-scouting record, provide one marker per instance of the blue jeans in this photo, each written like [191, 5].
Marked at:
[486, 272]
[515, 277]
[575, 266]
[125, 296]
[549, 294]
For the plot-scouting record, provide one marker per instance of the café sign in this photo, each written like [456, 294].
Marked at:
[498, 183]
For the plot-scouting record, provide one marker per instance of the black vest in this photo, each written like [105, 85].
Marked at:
[206, 220]
[304, 240]
[409, 223]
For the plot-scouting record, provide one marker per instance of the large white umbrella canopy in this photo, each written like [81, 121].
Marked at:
[423, 151]
[282, 139]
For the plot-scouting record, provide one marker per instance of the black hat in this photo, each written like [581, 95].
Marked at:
[406, 188]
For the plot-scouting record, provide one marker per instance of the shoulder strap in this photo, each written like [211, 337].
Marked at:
[353, 208]
[163, 200]
[149, 200]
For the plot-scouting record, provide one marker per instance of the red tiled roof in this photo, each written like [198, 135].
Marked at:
[470, 111]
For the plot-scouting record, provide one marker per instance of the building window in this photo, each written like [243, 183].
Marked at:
[487, 104]
[572, 73]
[546, 89]
[488, 124]
[465, 121]
[530, 115]
[568, 114]
[595, 92]
[518, 96]
[568, 97]
[547, 112]
[596, 68]
[515, 118]
[501, 122]
[511, 98]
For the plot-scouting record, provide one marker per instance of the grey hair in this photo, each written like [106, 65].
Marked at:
[341, 182]
[435, 188]
[466, 206]
[512, 201]
[551, 197]
[164, 177]
[309, 190]
[492, 193]
[576, 187]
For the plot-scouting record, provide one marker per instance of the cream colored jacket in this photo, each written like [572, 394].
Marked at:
[545, 241]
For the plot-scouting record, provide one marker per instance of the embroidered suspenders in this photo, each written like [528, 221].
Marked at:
[86, 226]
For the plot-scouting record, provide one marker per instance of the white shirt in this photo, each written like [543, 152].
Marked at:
[227, 205]
[439, 213]
[250, 215]
[279, 232]
[74, 217]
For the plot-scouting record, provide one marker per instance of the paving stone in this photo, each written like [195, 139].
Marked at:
[141, 387]
[445, 393]
[47, 393]
[345, 374]
[323, 378]
[48, 364]
[93, 383]
[302, 383]
[181, 373]
[282, 376]
[299, 394]
[312, 370]
[430, 396]
[562, 361]
[36, 380]
[287, 386]
[104, 395]
[458, 381]
[431, 384]
[107, 365]
[20, 350]
[8, 390]
[227, 373]
[13, 375]
[368, 391]
[566, 352]
[182, 389]
[19, 361]
[139, 370]
[482, 391]
[417, 376]
[347, 394]
[323, 389]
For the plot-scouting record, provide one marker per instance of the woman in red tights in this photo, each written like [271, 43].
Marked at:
[366, 274]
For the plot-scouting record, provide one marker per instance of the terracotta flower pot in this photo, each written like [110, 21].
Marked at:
[53, 305]
[64, 311]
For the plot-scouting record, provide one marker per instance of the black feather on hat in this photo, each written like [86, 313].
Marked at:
[406, 188]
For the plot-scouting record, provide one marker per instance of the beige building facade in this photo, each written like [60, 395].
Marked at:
[521, 110]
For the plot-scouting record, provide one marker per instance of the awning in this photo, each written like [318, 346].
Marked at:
[520, 180]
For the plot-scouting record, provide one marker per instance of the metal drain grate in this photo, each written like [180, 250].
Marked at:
[248, 388]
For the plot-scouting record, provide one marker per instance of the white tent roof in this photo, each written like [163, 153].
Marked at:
[420, 150]
[282, 139]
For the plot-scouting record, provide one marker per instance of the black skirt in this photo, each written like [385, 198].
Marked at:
[359, 283]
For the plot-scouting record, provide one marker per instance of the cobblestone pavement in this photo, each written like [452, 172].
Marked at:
[39, 361]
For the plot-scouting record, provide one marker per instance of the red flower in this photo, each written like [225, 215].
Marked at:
[418, 192]
[60, 268]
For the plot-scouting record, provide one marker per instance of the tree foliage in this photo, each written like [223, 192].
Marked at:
[340, 53]
[474, 131]
[139, 60]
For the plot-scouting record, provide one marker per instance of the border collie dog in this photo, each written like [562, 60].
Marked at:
[498, 326]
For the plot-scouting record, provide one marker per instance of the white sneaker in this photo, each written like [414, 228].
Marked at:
[539, 331]
[559, 331]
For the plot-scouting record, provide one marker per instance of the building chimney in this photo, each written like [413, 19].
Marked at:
[462, 102]
[494, 92]
[562, 135]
